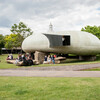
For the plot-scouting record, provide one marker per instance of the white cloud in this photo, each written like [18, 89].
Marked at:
[37, 14]
[5, 31]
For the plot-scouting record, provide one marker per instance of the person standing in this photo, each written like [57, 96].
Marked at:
[45, 58]
[49, 59]
[53, 59]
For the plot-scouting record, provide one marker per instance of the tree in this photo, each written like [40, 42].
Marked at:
[19, 33]
[1, 42]
[92, 29]
[21, 29]
[13, 40]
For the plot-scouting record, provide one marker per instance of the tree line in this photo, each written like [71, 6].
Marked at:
[21, 31]
[95, 30]
[18, 34]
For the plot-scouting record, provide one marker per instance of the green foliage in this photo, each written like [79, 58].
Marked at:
[19, 33]
[1, 41]
[21, 29]
[13, 40]
[92, 29]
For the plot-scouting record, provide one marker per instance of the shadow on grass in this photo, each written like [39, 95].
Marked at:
[21, 92]
[79, 61]
[73, 61]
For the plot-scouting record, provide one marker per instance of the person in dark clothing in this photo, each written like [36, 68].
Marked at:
[45, 58]
[11, 57]
[20, 57]
[25, 62]
[30, 61]
[53, 59]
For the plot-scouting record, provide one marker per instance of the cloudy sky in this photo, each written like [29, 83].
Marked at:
[37, 14]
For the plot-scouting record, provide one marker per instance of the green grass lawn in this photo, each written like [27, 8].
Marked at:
[4, 65]
[34, 88]
[93, 69]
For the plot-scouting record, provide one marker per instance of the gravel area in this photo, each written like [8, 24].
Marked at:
[33, 73]
[61, 68]
[53, 71]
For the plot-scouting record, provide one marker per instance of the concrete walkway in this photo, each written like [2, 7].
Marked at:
[61, 68]
[53, 71]
[34, 73]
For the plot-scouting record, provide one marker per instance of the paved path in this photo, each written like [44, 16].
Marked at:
[53, 71]
[34, 73]
[61, 68]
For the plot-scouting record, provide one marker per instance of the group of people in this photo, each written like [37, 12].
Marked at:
[49, 59]
[26, 60]
[10, 57]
